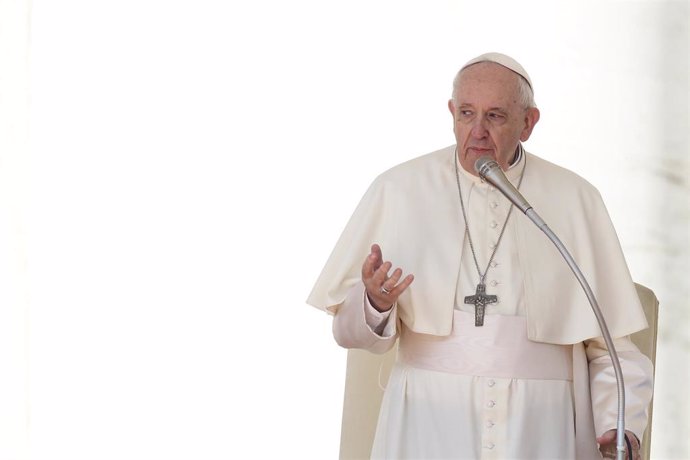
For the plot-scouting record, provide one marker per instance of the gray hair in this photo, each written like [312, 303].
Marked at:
[525, 93]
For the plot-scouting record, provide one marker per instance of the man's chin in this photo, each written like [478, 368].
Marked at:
[478, 153]
[472, 155]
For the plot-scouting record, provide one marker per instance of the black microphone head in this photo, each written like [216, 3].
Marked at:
[484, 164]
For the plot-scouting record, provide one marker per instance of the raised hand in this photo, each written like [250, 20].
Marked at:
[383, 291]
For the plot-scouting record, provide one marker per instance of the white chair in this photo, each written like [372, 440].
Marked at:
[646, 342]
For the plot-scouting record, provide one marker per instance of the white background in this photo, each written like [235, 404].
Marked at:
[191, 165]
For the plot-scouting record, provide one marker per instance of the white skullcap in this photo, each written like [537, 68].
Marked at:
[506, 61]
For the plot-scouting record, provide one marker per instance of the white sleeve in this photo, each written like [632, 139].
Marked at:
[353, 329]
[638, 380]
[378, 320]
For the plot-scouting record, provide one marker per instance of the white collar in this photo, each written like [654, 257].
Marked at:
[512, 173]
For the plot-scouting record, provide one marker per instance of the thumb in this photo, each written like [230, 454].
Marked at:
[607, 437]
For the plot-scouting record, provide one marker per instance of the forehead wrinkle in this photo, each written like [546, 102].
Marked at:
[495, 108]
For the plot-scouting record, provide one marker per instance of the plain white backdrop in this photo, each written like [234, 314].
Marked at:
[191, 165]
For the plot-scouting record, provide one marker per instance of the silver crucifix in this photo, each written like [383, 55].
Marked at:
[480, 301]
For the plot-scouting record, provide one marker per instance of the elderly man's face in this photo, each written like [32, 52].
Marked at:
[488, 118]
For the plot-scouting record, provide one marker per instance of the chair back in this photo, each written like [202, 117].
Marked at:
[646, 342]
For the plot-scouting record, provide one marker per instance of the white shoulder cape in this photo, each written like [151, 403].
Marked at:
[413, 212]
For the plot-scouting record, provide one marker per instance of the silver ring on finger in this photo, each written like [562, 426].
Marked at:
[384, 290]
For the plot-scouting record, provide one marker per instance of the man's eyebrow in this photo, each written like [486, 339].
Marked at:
[490, 109]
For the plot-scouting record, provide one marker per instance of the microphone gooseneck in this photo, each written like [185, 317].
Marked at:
[489, 170]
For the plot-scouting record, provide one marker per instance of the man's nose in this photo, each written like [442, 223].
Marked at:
[479, 128]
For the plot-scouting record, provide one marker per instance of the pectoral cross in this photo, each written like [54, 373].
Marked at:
[480, 300]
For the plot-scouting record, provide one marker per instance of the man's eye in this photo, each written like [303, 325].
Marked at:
[495, 116]
[465, 113]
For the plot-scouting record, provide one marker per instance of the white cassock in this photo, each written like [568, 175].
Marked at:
[487, 392]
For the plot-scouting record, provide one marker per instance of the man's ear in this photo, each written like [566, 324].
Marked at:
[451, 107]
[531, 119]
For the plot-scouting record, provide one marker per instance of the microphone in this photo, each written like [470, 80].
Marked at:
[488, 169]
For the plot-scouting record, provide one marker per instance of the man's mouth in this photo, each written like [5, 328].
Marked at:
[480, 151]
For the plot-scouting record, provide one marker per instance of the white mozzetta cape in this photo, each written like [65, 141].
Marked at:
[413, 212]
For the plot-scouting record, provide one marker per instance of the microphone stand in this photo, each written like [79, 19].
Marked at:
[488, 169]
[620, 428]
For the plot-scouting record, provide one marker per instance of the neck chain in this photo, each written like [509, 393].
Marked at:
[480, 299]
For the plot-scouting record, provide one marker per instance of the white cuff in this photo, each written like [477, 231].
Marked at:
[637, 376]
[378, 320]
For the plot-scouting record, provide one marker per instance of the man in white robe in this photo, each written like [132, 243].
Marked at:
[503, 383]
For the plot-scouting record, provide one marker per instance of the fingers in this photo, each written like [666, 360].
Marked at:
[381, 275]
[390, 283]
[634, 444]
[607, 437]
[383, 290]
[373, 262]
[383, 296]
[607, 444]
[376, 250]
[396, 289]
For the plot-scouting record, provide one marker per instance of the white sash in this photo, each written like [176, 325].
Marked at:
[500, 349]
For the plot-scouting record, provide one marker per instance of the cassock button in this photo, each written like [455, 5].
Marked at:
[494, 204]
[493, 263]
[492, 246]
[493, 224]
[490, 424]
[491, 404]
[494, 283]
[491, 383]
[490, 445]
